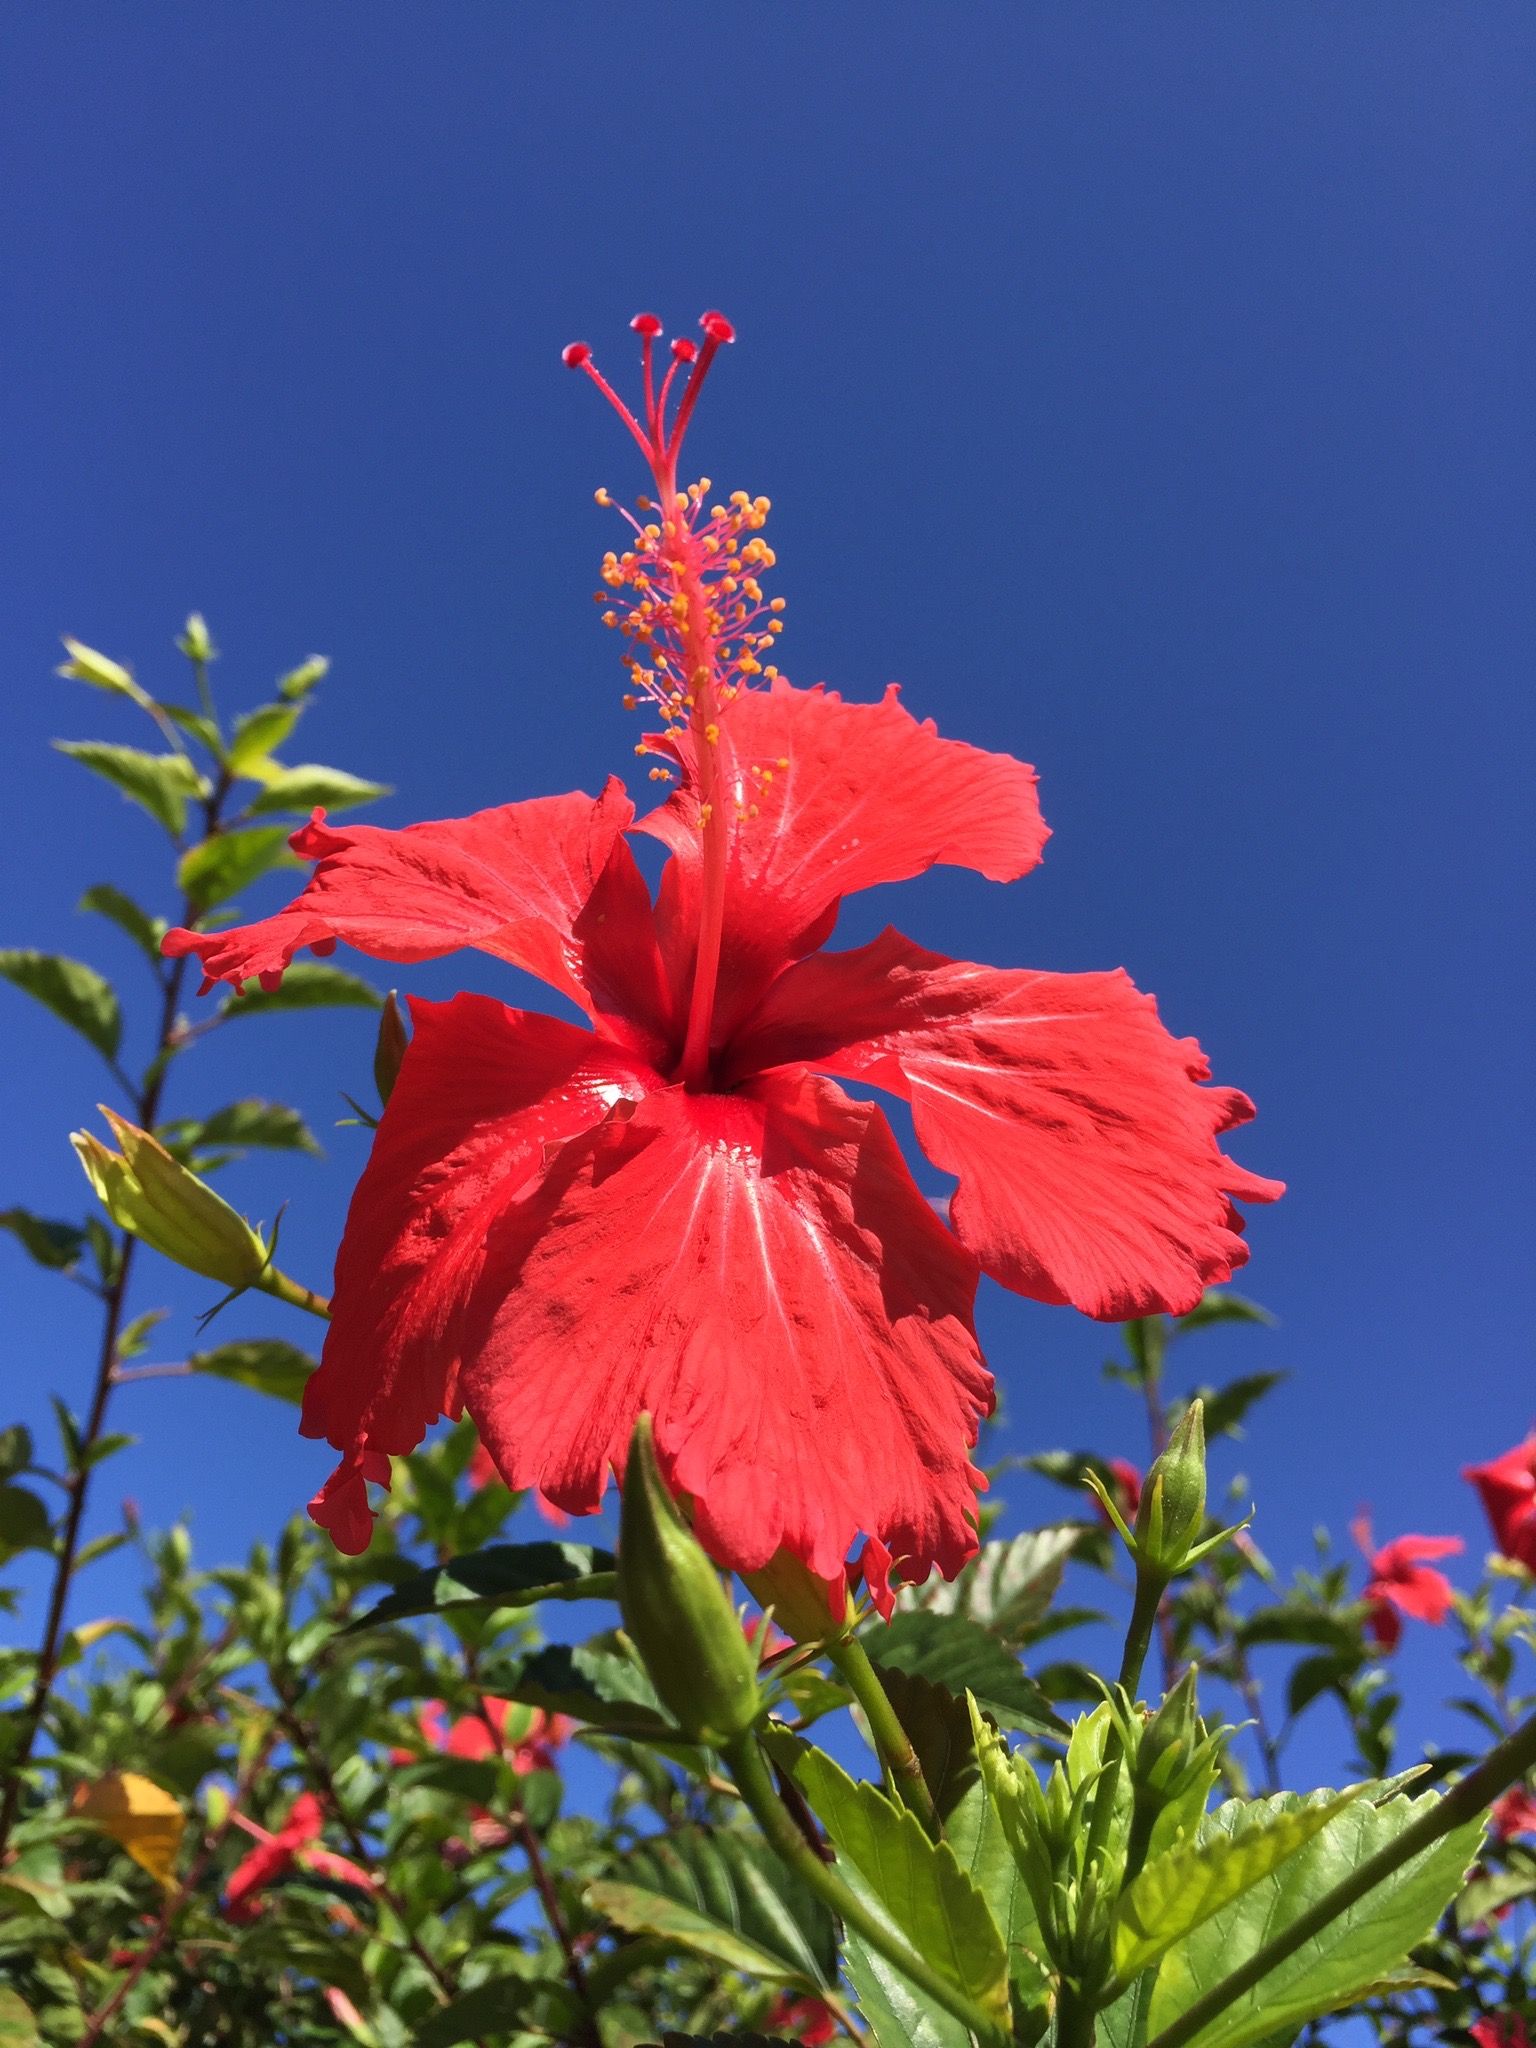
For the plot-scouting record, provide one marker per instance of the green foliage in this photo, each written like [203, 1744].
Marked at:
[158, 783]
[1347, 1958]
[77, 994]
[506, 1575]
[966, 1657]
[914, 1883]
[489, 1892]
[719, 1894]
[219, 868]
[306, 985]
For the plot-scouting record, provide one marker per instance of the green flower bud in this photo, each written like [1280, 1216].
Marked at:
[85, 665]
[677, 1611]
[389, 1047]
[300, 681]
[163, 1203]
[1172, 1511]
[195, 643]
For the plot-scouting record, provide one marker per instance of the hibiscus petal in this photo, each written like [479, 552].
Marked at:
[1086, 1152]
[761, 1274]
[854, 794]
[482, 1094]
[511, 881]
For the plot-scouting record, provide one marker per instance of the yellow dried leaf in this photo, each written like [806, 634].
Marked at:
[138, 1815]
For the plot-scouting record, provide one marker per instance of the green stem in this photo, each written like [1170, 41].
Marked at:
[891, 1740]
[1502, 1767]
[283, 1289]
[744, 1760]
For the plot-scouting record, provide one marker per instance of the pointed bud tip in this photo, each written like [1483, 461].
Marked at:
[576, 355]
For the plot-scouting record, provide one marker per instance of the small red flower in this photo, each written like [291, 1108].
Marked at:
[1513, 1813]
[1401, 1581]
[295, 1846]
[1508, 1489]
[810, 2020]
[1125, 1485]
[679, 1209]
[532, 1745]
[1500, 2030]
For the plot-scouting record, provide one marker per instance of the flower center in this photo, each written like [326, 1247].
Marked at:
[692, 608]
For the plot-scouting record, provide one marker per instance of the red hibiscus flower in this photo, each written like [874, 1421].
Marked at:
[530, 1744]
[1513, 1813]
[1402, 1582]
[1508, 1488]
[679, 1209]
[810, 2020]
[1500, 2030]
[293, 1847]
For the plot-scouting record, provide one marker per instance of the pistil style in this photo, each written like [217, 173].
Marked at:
[699, 624]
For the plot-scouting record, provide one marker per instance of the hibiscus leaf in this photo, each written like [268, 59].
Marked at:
[593, 1682]
[1338, 1966]
[499, 2007]
[306, 985]
[146, 932]
[1226, 1406]
[18, 2029]
[55, 1245]
[257, 733]
[240, 1125]
[966, 1658]
[220, 867]
[1006, 1587]
[974, 1830]
[302, 788]
[939, 1728]
[266, 1364]
[157, 783]
[502, 1575]
[1221, 1305]
[722, 1895]
[1180, 1890]
[24, 1523]
[74, 992]
[912, 1882]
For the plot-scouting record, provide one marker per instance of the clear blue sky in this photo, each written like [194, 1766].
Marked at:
[1148, 389]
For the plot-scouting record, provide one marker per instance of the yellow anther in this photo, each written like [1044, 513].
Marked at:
[712, 735]
[610, 618]
[630, 701]
[740, 500]
[763, 505]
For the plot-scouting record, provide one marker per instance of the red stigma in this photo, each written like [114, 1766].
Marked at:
[659, 438]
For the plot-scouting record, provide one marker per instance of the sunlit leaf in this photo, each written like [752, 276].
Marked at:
[138, 1815]
[220, 867]
[157, 783]
[306, 985]
[74, 992]
[257, 733]
[1180, 1890]
[302, 788]
[1337, 1966]
[265, 1364]
[55, 1245]
[108, 901]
